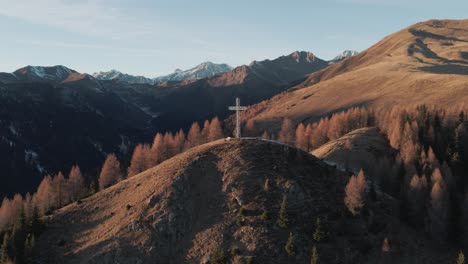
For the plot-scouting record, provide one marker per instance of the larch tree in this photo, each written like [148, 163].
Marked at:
[215, 131]
[416, 199]
[301, 138]
[318, 136]
[158, 150]
[249, 129]
[6, 214]
[286, 134]
[179, 141]
[76, 183]
[355, 193]
[140, 160]
[439, 211]
[204, 132]
[193, 136]
[408, 146]
[110, 172]
[168, 140]
[436, 176]
[45, 195]
[59, 188]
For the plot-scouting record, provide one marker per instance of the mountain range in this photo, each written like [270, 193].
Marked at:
[47, 111]
[253, 199]
[203, 70]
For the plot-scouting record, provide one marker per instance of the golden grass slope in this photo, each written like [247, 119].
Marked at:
[426, 63]
[359, 149]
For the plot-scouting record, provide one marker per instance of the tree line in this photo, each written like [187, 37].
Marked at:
[20, 215]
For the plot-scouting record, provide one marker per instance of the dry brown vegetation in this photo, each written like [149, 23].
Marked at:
[422, 64]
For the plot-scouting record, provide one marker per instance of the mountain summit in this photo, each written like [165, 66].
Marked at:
[203, 70]
[122, 77]
[343, 55]
[57, 73]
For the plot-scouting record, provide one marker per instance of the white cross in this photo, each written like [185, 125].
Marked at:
[238, 108]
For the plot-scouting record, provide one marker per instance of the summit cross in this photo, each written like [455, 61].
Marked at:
[238, 108]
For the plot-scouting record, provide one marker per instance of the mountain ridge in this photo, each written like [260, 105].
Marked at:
[404, 68]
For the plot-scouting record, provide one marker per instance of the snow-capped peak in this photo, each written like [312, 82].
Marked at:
[203, 70]
[343, 55]
[52, 73]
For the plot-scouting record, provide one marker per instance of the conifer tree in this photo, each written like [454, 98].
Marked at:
[158, 150]
[355, 192]
[36, 224]
[44, 194]
[290, 246]
[314, 258]
[318, 233]
[286, 133]
[76, 183]
[250, 128]
[301, 139]
[5, 248]
[282, 220]
[215, 131]
[59, 189]
[461, 258]
[110, 172]
[140, 160]
[439, 211]
[193, 136]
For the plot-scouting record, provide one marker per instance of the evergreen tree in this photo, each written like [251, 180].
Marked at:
[318, 233]
[36, 224]
[290, 246]
[314, 258]
[283, 220]
[461, 258]
[217, 256]
[5, 248]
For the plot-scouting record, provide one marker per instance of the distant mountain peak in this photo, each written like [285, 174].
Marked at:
[44, 73]
[202, 70]
[343, 55]
[115, 75]
[303, 56]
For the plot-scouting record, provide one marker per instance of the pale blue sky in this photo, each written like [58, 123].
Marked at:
[153, 37]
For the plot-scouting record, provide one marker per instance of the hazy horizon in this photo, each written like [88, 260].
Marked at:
[153, 39]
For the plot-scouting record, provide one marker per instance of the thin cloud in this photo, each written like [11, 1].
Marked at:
[84, 17]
